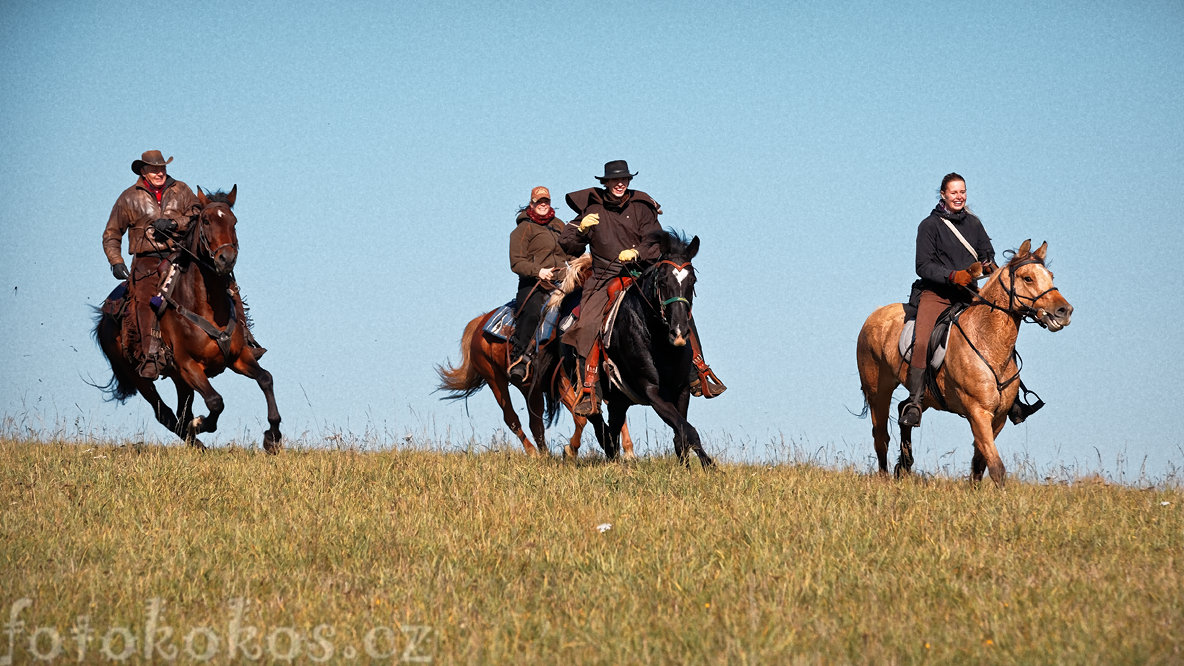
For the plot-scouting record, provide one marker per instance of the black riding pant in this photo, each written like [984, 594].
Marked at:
[530, 312]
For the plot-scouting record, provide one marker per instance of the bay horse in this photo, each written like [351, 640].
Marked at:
[202, 329]
[485, 361]
[648, 346]
[979, 378]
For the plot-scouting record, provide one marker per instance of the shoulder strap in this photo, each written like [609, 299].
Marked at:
[961, 239]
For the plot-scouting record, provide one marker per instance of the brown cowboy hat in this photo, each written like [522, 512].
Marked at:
[149, 158]
[615, 169]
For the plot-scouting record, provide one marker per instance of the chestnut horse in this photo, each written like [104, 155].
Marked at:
[202, 326]
[485, 361]
[979, 379]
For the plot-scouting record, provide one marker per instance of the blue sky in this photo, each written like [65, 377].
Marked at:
[382, 149]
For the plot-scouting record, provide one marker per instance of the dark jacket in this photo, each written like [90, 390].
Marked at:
[136, 209]
[535, 246]
[622, 226]
[940, 253]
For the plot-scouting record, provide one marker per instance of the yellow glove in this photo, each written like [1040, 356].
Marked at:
[589, 221]
[627, 255]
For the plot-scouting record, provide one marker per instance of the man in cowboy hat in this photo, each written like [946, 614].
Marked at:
[151, 211]
[616, 223]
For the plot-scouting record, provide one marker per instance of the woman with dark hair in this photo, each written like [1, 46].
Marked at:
[535, 256]
[953, 250]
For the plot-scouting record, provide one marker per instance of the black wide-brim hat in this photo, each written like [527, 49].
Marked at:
[149, 158]
[615, 169]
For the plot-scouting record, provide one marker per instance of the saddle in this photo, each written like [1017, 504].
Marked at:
[937, 342]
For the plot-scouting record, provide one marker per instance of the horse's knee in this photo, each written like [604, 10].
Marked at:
[215, 403]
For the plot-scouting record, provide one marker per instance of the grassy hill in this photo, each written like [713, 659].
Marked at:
[491, 558]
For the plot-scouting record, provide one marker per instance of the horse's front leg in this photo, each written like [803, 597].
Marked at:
[674, 414]
[985, 425]
[163, 413]
[193, 373]
[247, 366]
[567, 395]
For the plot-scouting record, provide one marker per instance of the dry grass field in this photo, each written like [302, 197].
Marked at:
[139, 554]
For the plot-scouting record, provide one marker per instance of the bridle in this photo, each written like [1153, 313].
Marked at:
[1015, 305]
[203, 240]
[663, 303]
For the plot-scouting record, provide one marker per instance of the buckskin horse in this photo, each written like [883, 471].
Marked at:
[979, 378]
[646, 347]
[202, 328]
[485, 361]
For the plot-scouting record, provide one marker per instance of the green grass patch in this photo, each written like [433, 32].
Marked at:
[496, 557]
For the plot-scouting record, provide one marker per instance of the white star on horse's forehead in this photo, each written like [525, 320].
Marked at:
[681, 274]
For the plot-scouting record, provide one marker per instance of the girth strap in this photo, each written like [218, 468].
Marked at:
[221, 337]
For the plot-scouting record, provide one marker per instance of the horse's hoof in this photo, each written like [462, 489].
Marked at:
[196, 423]
[195, 443]
[272, 445]
[628, 456]
[570, 453]
[901, 471]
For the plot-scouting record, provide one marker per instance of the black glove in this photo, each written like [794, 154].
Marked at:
[119, 271]
[165, 226]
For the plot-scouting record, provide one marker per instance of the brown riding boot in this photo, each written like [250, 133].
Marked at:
[152, 365]
[704, 383]
[588, 402]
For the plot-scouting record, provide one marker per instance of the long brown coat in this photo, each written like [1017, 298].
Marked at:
[134, 212]
[625, 224]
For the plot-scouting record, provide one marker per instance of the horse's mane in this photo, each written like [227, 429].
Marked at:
[672, 241]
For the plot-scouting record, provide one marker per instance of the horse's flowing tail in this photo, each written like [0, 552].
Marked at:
[463, 380]
[123, 383]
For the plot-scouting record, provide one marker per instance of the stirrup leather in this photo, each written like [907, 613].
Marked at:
[588, 403]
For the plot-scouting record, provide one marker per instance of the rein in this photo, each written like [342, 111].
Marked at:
[673, 299]
[1027, 313]
[198, 237]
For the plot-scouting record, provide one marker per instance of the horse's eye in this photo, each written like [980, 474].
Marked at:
[1027, 279]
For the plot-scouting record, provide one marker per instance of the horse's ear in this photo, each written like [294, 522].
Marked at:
[1041, 251]
[664, 244]
[201, 197]
[1025, 248]
[230, 197]
[693, 248]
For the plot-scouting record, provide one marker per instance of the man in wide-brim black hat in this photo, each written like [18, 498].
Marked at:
[614, 222]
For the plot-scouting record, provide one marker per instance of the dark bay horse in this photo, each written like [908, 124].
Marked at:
[202, 329]
[979, 379]
[648, 347]
[485, 361]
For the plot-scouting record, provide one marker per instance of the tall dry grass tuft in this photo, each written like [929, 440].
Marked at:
[493, 557]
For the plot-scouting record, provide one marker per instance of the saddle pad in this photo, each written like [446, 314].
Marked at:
[501, 324]
[116, 301]
[941, 330]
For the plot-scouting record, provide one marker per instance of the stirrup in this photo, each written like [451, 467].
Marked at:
[149, 368]
[906, 417]
[707, 379]
[588, 404]
[1021, 409]
[520, 369]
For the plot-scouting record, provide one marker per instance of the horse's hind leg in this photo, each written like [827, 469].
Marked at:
[534, 408]
[567, 396]
[626, 443]
[163, 413]
[877, 387]
[193, 373]
[904, 465]
[616, 420]
[501, 393]
[247, 366]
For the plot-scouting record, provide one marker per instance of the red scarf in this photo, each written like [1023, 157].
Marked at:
[541, 220]
[158, 193]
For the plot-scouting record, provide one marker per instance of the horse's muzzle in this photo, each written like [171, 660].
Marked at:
[224, 261]
[1055, 320]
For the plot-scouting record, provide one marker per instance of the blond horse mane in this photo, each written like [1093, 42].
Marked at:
[577, 271]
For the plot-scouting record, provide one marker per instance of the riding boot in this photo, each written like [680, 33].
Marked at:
[520, 367]
[150, 367]
[703, 380]
[910, 410]
[1021, 410]
[588, 402]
